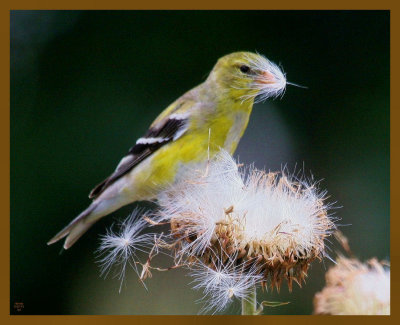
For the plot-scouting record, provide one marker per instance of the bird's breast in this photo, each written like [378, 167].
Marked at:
[238, 126]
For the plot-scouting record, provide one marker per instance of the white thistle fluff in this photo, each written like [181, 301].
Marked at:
[270, 213]
[119, 248]
[222, 282]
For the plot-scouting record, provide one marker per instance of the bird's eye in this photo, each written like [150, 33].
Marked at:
[244, 68]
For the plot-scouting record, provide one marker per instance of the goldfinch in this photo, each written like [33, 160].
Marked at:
[187, 133]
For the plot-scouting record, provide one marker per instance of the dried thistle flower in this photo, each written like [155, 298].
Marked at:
[119, 248]
[355, 288]
[271, 221]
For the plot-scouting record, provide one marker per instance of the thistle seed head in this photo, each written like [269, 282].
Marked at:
[271, 222]
[355, 288]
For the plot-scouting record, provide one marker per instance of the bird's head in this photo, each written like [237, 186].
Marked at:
[244, 76]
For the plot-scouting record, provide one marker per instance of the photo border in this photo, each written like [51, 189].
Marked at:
[185, 5]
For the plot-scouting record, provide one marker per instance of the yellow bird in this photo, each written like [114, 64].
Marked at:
[195, 127]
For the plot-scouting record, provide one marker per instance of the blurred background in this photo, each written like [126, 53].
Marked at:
[86, 84]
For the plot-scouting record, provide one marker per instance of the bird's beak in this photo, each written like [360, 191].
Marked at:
[266, 78]
[271, 81]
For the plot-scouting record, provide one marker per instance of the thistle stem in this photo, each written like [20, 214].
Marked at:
[249, 303]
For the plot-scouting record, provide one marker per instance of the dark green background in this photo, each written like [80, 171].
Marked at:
[86, 85]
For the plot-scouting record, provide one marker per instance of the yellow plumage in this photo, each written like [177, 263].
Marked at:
[196, 126]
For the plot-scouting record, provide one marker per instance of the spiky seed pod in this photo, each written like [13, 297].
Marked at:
[268, 220]
[355, 288]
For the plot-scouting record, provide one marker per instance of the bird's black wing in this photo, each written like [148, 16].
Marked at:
[155, 138]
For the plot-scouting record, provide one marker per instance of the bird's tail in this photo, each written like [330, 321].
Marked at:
[77, 227]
